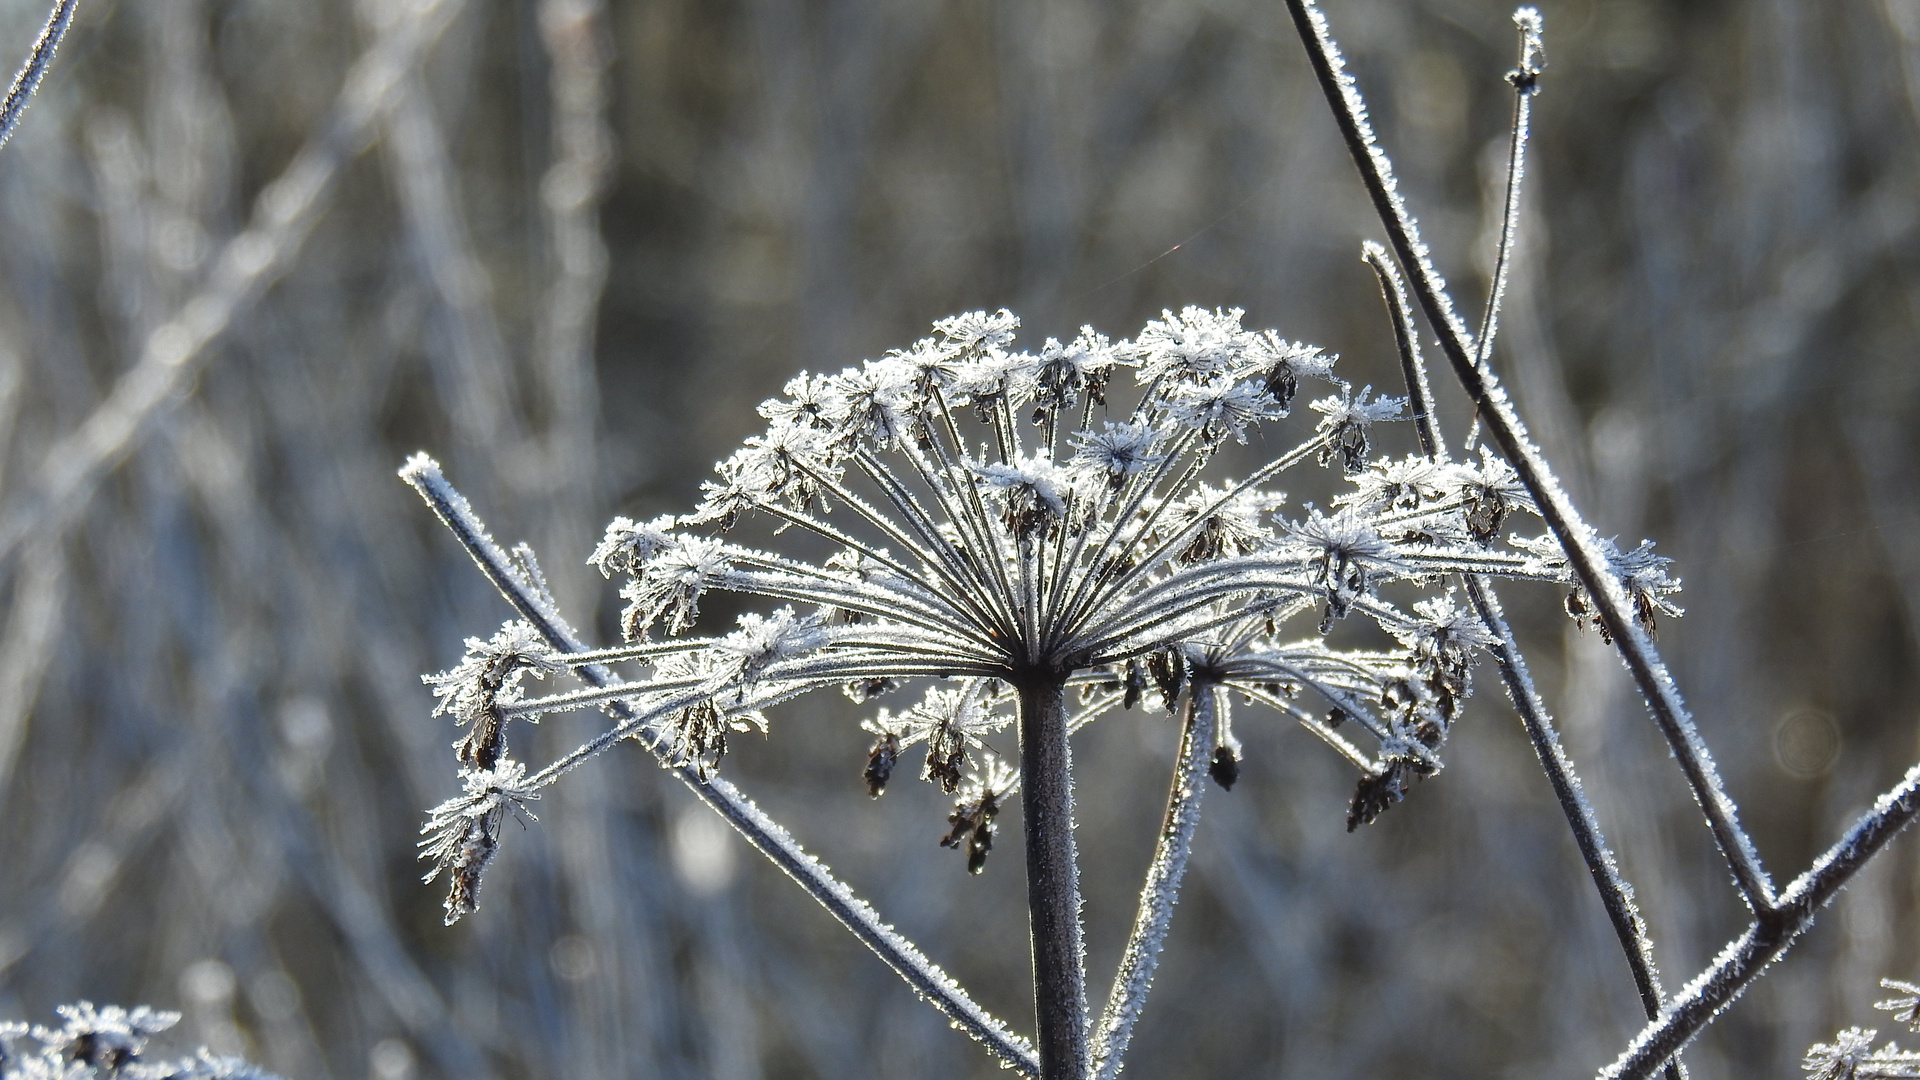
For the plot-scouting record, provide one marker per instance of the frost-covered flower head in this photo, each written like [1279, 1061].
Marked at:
[108, 1041]
[998, 521]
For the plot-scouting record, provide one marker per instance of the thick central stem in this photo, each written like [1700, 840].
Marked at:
[1053, 878]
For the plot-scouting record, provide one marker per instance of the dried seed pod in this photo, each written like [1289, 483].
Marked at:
[1169, 670]
[880, 762]
[1225, 767]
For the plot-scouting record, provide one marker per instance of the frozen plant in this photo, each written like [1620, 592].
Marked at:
[1031, 539]
[1021, 528]
[1851, 1056]
[107, 1041]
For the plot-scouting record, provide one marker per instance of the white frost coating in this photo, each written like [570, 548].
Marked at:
[28, 80]
[1525, 79]
[1012, 567]
[1778, 921]
[1162, 890]
[926, 977]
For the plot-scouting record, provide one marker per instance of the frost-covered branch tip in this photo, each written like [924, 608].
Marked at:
[27, 79]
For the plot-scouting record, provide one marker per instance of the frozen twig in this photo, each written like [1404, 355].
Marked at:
[1616, 894]
[1525, 78]
[1053, 879]
[767, 836]
[1769, 936]
[20, 93]
[1406, 339]
[1142, 955]
[284, 215]
[1583, 549]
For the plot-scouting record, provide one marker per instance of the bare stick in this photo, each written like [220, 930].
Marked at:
[927, 979]
[1770, 935]
[1616, 895]
[284, 215]
[1582, 546]
[1406, 338]
[1162, 890]
[35, 69]
[1525, 78]
[1777, 922]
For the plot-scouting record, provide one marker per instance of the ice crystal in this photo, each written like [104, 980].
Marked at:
[1841, 1058]
[463, 833]
[488, 677]
[1905, 1007]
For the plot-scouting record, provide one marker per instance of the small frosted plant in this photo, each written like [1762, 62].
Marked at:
[1037, 537]
[1028, 540]
[1851, 1056]
[107, 1041]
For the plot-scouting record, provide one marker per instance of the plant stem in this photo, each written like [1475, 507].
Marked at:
[1162, 890]
[1053, 877]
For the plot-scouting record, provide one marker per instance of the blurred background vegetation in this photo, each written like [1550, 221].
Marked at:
[567, 249]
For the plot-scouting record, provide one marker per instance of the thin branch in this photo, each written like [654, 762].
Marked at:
[35, 69]
[1616, 894]
[1406, 338]
[1162, 889]
[1771, 935]
[1525, 78]
[1778, 922]
[284, 215]
[1582, 546]
[766, 835]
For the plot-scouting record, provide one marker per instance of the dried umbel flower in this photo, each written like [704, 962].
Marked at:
[1851, 1056]
[1842, 1058]
[1011, 559]
[1490, 492]
[980, 802]
[108, 1037]
[1348, 423]
[1443, 644]
[1641, 572]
